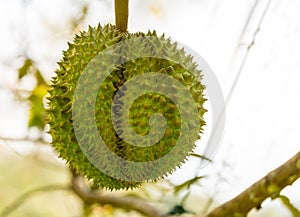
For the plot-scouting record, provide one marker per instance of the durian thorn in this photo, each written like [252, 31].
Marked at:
[121, 14]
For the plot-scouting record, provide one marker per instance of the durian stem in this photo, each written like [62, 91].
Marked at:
[121, 14]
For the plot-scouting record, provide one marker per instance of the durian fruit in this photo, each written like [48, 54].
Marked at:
[85, 48]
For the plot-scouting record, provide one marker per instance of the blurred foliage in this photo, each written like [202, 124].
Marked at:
[34, 171]
[187, 184]
[36, 97]
[40, 169]
[286, 201]
[177, 210]
[37, 110]
[25, 68]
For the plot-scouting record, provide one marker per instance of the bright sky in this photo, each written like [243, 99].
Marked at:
[263, 115]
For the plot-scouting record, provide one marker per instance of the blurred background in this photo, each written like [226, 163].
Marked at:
[253, 47]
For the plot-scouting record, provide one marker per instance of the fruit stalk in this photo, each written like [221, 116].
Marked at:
[121, 14]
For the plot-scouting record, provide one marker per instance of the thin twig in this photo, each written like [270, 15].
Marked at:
[236, 79]
[249, 18]
[293, 210]
[269, 186]
[39, 141]
[20, 200]
[125, 202]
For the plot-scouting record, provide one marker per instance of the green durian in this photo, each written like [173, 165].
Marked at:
[85, 47]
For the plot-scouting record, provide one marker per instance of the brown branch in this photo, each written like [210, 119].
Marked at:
[38, 141]
[269, 186]
[125, 202]
[20, 200]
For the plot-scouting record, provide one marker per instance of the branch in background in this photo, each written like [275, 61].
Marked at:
[20, 200]
[38, 141]
[269, 186]
[251, 44]
[77, 21]
[249, 19]
[125, 202]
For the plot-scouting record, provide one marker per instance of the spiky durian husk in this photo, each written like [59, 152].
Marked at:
[85, 47]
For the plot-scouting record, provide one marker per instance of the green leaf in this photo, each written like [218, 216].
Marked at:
[187, 184]
[29, 67]
[200, 156]
[39, 78]
[25, 68]
[37, 110]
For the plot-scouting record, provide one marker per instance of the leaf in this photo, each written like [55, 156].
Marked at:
[37, 110]
[187, 184]
[25, 68]
[200, 156]
[29, 67]
[39, 78]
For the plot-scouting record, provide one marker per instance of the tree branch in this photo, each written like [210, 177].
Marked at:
[38, 141]
[121, 14]
[125, 202]
[269, 186]
[20, 200]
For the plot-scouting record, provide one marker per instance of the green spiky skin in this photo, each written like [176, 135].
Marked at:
[85, 47]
